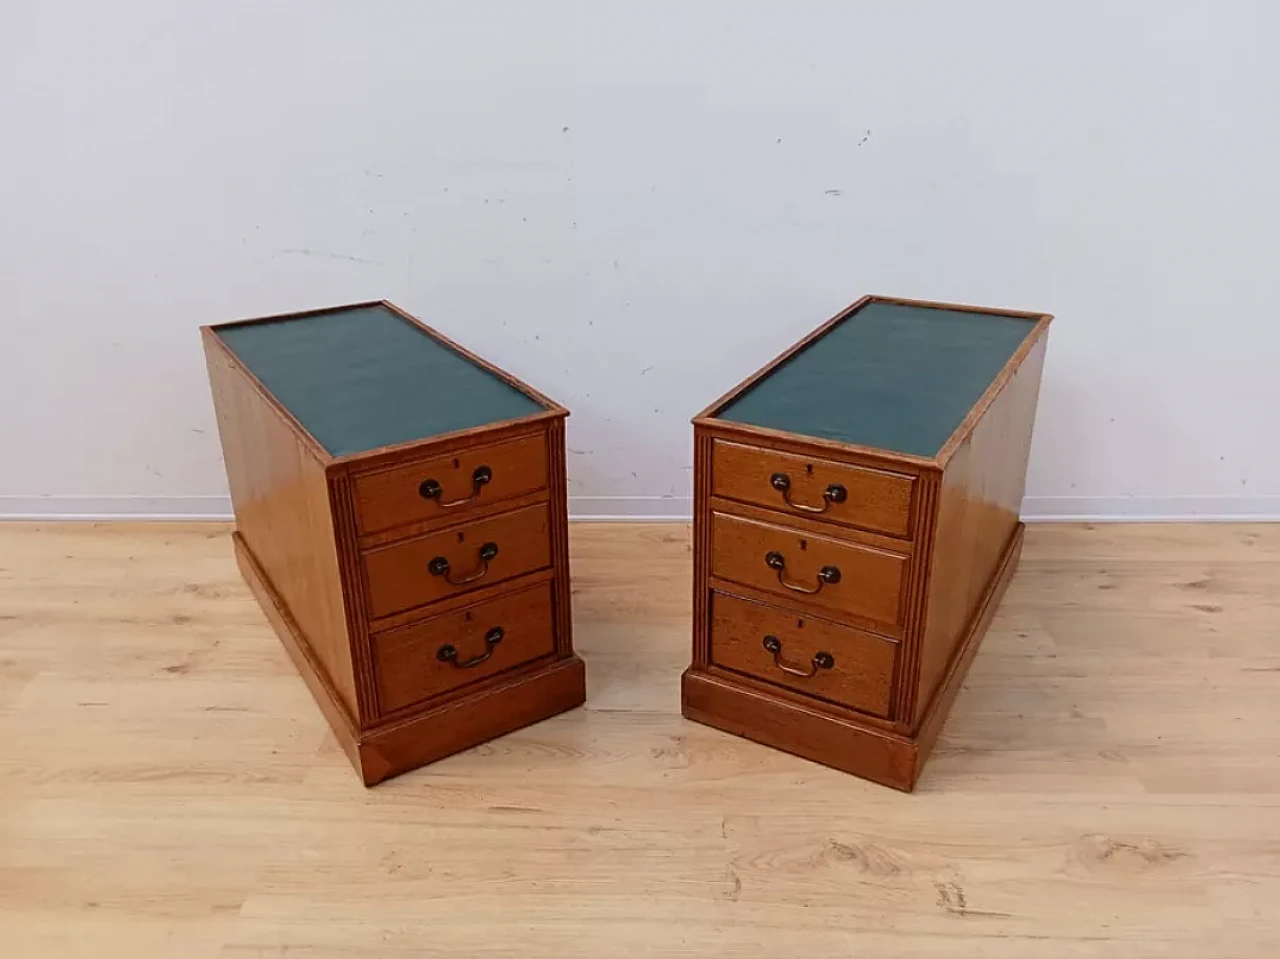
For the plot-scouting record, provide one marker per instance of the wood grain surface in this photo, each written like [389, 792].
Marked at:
[1107, 784]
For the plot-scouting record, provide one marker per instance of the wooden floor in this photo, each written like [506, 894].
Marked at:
[1108, 784]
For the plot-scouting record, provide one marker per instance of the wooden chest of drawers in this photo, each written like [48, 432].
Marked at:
[855, 525]
[400, 514]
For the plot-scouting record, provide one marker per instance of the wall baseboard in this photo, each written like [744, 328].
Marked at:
[218, 508]
[631, 509]
[1151, 509]
[115, 508]
[673, 509]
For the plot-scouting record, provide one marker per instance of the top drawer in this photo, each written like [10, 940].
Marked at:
[822, 489]
[447, 485]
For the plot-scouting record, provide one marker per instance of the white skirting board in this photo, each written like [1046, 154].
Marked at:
[1151, 509]
[115, 508]
[1036, 509]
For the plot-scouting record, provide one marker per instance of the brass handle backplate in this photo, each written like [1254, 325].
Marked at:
[820, 660]
[448, 653]
[776, 561]
[834, 493]
[439, 566]
[431, 488]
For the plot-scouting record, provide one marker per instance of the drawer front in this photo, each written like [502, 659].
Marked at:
[450, 485]
[811, 656]
[434, 656]
[820, 489]
[811, 570]
[427, 568]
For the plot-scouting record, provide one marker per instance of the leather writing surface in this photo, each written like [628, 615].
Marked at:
[889, 376]
[365, 377]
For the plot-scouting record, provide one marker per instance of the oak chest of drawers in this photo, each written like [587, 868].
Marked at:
[400, 515]
[856, 510]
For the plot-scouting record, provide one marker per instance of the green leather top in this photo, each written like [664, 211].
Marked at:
[365, 377]
[888, 376]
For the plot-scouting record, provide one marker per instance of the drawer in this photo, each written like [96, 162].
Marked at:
[434, 656]
[813, 570]
[448, 562]
[821, 489]
[447, 485]
[811, 656]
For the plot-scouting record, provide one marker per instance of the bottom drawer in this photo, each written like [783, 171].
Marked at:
[812, 656]
[433, 656]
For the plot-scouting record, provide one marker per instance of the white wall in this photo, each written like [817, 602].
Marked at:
[633, 205]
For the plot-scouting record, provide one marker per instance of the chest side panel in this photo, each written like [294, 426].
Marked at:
[977, 514]
[281, 500]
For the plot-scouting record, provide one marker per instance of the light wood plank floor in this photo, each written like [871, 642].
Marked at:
[1108, 784]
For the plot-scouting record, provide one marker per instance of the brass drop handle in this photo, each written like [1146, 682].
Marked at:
[431, 488]
[439, 566]
[820, 660]
[835, 493]
[448, 653]
[828, 574]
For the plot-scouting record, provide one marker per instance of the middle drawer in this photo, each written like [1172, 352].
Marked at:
[413, 572]
[847, 578]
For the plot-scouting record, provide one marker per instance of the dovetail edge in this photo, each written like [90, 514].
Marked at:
[344, 527]
[906, 680]
[701, 548]
[557, 480]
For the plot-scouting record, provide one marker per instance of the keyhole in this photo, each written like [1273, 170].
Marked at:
[808, 469]
[799, 624]
[468, 616]
[456, 464]
[462, 537]
[804, 544]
